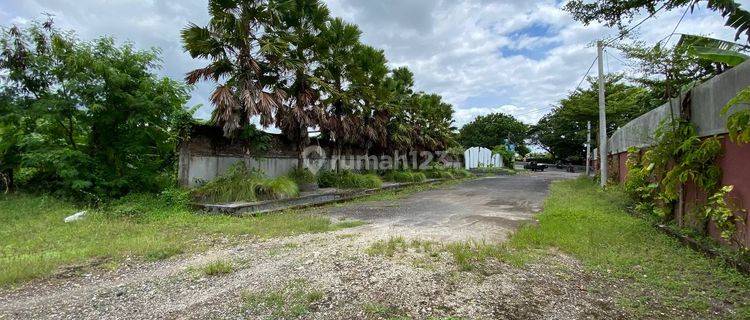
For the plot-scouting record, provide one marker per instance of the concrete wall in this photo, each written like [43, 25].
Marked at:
[704, 111]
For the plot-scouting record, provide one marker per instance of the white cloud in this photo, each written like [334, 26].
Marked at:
[483, 56]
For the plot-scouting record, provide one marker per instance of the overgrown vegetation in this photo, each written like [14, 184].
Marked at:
[302, 176]
[239, 183]
[85, 119]
[661, 273]
[678, 156]
[404, 176]
[348, 180]
[37, 243]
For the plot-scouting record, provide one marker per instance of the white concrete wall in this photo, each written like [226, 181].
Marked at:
[707, 100]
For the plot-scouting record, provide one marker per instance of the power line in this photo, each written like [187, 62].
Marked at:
[622, 34]
[584, 76]
[669, 37]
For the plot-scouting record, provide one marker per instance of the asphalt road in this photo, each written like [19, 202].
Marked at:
[482, 209]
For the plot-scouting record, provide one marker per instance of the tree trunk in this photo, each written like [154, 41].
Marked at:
[9, 180]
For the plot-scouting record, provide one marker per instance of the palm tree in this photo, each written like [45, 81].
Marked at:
[337, 44]
[302, 21]
[243, 49]
[369, 87]
[400, 133]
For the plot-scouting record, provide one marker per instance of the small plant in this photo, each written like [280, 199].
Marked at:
[349, 180]
[292, 301]
[302, 176]
[404, 176]
[239, 183]
[217, 268]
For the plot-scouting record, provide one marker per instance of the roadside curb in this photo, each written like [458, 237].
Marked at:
[269, 206]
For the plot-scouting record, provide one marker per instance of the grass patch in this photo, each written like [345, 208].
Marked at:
[404, 176]
[293, 301]
[37, 243]
[239, 183]
[217, 268]
[596, 229]
[348, 180]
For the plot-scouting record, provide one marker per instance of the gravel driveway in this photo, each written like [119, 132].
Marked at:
[331, 275]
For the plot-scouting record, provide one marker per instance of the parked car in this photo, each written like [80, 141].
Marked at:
[533, 166]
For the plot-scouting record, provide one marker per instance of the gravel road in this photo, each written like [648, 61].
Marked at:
[331, 275]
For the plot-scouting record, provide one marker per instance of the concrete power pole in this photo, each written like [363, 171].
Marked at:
[602, 118]
[588, 147]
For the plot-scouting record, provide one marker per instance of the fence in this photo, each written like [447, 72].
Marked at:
[207, 154]
[476, 157]
[703, 107]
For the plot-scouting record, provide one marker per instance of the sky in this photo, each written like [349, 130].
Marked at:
[516, 56]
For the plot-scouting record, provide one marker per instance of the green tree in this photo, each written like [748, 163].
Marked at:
[620, 13]
[85, 119]
[338, 42]
[243, 47]
[562, 132]
[369, 86]
[301, 23]
[493, 129]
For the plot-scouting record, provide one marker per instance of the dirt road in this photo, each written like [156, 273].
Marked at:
[332, 276]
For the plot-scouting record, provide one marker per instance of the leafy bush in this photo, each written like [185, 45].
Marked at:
[302, 176]
[436, 173]
[242, 184]
[404, 176]
[348, 180]
[459, 173]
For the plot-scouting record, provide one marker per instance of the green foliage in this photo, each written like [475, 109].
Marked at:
[292, 301]
[348, 180]
[239, 183]
[717, 209]
[491, 130]
[217, 268]
[302, 176]
[738, 123]
[618, 13]
[679, 156]
[713, 50]
[404, 176]
[597, 230]
[59, 126]
[562, 132]
[508, 156]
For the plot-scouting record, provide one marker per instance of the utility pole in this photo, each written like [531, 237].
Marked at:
[588, 146]
[602, 118]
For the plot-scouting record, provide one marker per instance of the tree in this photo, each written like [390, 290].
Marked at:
[619, 13]
[244, 50]
[562, 132]
[302, 21]
[400, 85]
[337, 43]
[494, 129]
[85, 119]
[369, 86]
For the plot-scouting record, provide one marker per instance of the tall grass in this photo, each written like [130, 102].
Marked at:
[348, 180]
[596, 229]
[239, 183]
[404, 176]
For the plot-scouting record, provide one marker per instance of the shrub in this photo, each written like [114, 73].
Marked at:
[460, 173]
[348, 180]
[302, 176]
[242, 184]
[404, 176]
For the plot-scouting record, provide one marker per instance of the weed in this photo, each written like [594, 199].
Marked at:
[217, 268]
[292, 301]
[348, 180]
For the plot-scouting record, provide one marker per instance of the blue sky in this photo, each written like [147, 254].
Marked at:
[518, 57]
